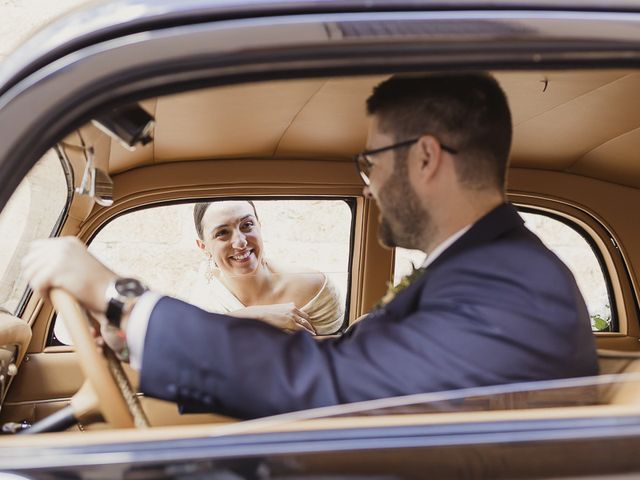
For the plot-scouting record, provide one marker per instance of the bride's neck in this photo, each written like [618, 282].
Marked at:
[250, 289]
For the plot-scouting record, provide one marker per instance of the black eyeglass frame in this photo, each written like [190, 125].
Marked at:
[363, 164]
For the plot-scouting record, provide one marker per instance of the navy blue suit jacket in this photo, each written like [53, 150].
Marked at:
[496, 307]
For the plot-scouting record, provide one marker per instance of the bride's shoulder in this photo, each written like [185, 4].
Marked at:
[299, 277]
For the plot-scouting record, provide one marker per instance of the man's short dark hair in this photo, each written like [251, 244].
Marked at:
[467, 112]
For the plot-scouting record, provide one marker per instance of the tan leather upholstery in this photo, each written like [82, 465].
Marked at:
[613, 362]
[14, 332]
[15, 335]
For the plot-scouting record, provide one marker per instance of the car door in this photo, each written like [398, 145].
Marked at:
[153, 55]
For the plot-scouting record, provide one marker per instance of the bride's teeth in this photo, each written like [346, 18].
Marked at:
[242, 257]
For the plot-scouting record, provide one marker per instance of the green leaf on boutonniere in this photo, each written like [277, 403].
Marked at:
[392, 290]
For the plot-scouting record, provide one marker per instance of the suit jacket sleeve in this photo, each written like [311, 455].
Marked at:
[452, 331]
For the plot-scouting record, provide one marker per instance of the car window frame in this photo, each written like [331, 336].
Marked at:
[621, 287]
[350, 201]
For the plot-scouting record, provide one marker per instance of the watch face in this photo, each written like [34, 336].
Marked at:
[129, 287]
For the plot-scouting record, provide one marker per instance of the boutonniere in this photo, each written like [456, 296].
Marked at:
[393, 290]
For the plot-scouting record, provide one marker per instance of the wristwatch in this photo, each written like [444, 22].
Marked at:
[121, 295]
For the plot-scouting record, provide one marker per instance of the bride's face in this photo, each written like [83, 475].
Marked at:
[232, 237]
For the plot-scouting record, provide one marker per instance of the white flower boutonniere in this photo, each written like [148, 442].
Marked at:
[404, 282]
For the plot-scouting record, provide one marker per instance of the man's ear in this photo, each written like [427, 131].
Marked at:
[428, 155]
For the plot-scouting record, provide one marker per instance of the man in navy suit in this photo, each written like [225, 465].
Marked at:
[492, 305]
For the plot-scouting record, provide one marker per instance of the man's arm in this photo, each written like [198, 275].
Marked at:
[472, 325]
[245, 369]
[469, 327]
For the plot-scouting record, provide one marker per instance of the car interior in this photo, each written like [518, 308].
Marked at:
[573, 160]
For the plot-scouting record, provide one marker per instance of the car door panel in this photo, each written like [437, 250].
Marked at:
[48, 380]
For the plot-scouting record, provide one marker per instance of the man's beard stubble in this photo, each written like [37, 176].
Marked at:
[404, 223]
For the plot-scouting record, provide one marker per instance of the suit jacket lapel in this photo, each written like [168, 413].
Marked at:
[493, 225]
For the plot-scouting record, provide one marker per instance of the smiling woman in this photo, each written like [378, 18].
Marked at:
[246, 284]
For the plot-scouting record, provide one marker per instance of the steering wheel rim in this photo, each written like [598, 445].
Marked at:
[115, 402]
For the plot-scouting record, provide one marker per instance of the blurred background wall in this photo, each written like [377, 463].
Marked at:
[20, 18]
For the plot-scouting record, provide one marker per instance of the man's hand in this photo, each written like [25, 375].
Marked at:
[285, 316]
[65, 263]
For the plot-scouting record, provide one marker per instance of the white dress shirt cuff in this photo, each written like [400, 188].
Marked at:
[137, 327]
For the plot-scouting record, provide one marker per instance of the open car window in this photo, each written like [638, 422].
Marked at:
[572, 248]
[33, 212]
[158, 246]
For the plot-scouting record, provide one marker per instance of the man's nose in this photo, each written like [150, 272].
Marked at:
[239, 240]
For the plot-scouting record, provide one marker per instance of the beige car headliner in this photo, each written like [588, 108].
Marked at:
[583, 122]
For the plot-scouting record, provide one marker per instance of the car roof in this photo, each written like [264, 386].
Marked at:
[107, 19]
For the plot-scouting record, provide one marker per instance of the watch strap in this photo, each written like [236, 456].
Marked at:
[121, 295]
[114, 312]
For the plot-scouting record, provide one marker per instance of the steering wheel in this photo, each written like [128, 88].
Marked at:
[107, 388]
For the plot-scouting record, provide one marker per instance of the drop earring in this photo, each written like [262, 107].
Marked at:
[212, 266]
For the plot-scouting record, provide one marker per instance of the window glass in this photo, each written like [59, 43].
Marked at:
[572, 249]
[579, 256]
[559, 393]
[158, 246]
[406, 261]
[31, 213]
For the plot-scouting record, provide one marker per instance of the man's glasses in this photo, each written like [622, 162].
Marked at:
[364, 164]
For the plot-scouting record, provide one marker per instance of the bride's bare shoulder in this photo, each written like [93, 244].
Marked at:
[304, 280]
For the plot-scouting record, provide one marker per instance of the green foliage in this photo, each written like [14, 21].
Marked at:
[402, 284]
[600, 324]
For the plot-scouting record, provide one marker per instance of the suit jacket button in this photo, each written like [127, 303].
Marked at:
[172, 389]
